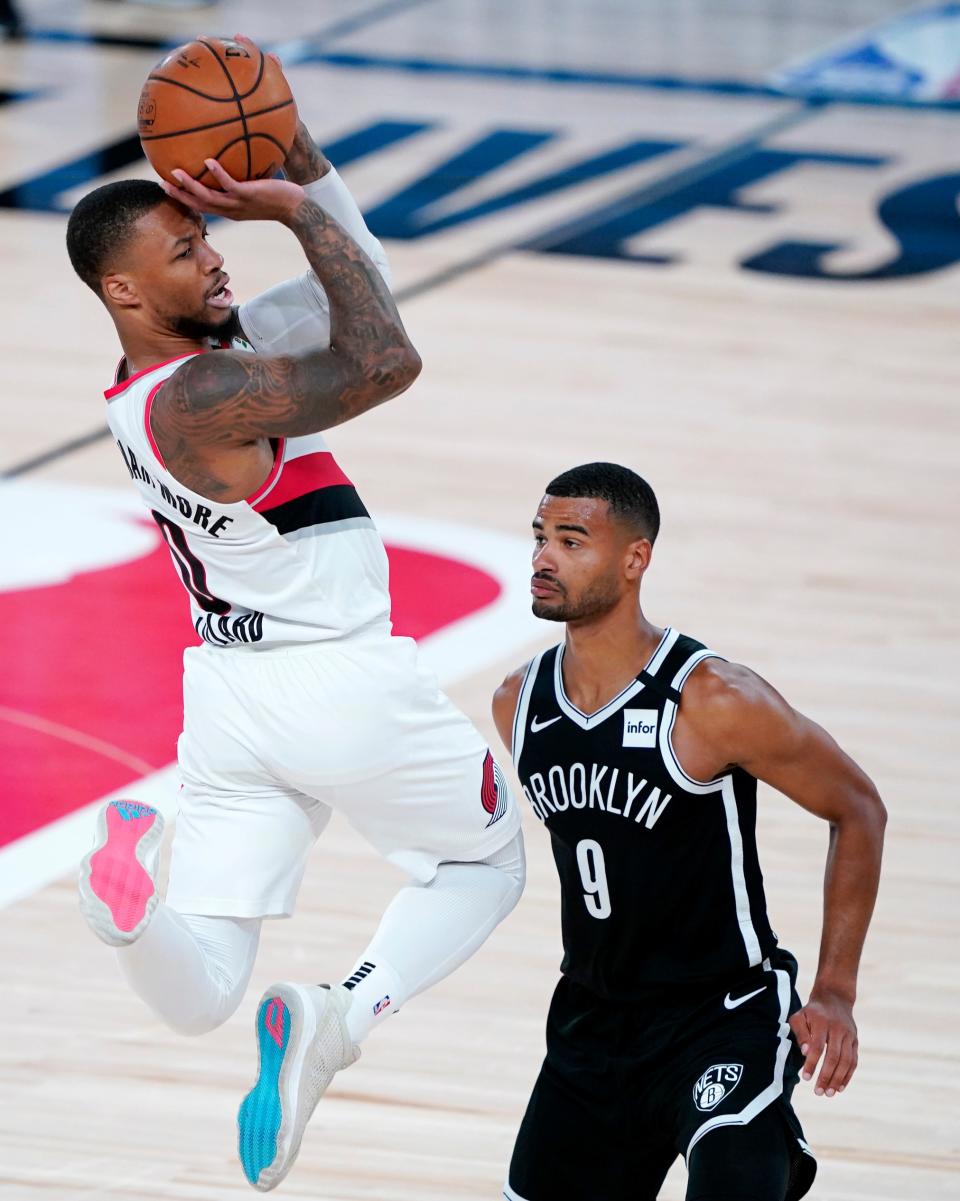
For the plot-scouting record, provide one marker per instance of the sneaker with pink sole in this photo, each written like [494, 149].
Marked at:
[118, 892]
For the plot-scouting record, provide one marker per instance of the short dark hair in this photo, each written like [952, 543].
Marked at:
[629, 496]
[102, 222]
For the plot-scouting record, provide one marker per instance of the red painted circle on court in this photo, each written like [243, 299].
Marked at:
[90, 694]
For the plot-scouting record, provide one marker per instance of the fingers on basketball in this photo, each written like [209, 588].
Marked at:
[220, 99]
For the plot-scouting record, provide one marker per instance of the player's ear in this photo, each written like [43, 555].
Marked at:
[120, 290]
[637, 558]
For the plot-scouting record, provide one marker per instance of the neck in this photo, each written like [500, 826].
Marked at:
[143, 350]
[613, 644]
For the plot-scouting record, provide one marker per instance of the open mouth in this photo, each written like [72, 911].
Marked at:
[222, 298]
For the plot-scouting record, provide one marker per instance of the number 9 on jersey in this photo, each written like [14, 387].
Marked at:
[593, 873]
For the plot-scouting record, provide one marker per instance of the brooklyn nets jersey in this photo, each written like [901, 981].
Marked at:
[298, 561]
[660, 881]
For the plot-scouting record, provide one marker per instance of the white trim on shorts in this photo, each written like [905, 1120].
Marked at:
[510, 1195]
[775, 1088]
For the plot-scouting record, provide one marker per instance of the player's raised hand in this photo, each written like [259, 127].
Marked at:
[256, 200]
[825, 1027]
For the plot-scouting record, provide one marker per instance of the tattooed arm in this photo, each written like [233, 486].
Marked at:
[305, 162]
[231, 398]
[293, 317]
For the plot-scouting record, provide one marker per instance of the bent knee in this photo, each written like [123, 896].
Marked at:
[204, 1019]
[194, 1024]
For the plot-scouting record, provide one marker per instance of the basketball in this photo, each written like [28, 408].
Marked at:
[216, 98]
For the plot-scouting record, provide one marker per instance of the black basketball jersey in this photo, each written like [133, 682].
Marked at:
[659, 875]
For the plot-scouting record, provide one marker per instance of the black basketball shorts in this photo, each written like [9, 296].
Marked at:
[626, 1088]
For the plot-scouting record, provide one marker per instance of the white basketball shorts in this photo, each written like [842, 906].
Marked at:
[276, 739]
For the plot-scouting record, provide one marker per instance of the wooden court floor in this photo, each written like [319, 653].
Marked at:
[799, 424]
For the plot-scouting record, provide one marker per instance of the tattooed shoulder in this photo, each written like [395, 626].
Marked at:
[213, 397]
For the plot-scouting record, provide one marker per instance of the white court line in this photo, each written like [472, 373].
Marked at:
[502, 629]
[54, 729]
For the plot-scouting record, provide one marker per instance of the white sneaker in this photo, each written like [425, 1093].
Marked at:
[118, 892]
[302, 1042]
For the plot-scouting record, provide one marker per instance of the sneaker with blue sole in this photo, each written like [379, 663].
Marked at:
[302, 1042]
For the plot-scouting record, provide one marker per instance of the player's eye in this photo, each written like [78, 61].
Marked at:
[570, 542]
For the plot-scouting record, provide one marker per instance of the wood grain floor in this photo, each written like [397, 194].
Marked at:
[802, 437]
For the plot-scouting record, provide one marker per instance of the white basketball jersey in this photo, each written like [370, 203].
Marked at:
[298, 561]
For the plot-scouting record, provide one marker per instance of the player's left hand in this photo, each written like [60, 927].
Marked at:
[251, 200]
[825, 1026]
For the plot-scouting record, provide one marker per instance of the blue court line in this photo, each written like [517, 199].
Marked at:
[657, 189]
[615, 79]
[661, 188]
[309, 50]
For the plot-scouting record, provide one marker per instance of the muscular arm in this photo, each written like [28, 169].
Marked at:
[232, 398]
[293, 317]
[305, 162]
[505, 705]
[733, 717]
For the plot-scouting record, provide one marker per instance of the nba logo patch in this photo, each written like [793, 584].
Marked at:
[493, 790]
[381, 1005]
[640, 727]
[715, 1084]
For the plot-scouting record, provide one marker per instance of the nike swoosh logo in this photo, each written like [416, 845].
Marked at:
[730, 1003]
[537, 726]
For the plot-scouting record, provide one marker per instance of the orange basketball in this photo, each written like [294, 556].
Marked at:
[215, 98]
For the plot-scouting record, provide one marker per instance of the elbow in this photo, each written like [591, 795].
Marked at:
[397, 376]
[410, 366]
[383, 376]
[875, 807]
[867, 811]
[390, 374]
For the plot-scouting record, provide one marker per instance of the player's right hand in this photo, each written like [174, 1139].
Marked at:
[825, 1027]
[256, 200]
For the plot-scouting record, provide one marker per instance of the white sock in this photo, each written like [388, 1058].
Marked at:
[428, 930]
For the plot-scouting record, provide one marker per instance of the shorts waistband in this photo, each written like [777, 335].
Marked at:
[366, 636]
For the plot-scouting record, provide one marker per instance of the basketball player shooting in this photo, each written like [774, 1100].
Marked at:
[675, 1028]
[299, 701]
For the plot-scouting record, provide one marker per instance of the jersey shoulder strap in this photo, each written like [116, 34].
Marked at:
[540, 668]
[667, 675]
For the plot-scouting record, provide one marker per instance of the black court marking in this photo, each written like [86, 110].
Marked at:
[54, 453]
[82, 441]
[657, 190]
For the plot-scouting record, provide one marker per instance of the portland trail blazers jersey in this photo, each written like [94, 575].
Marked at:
[660, 880]
[299, 560]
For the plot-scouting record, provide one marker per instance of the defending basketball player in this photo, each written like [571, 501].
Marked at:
[299, 700]
[675, 1028]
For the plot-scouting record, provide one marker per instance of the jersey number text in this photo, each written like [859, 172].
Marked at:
[593, 873]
